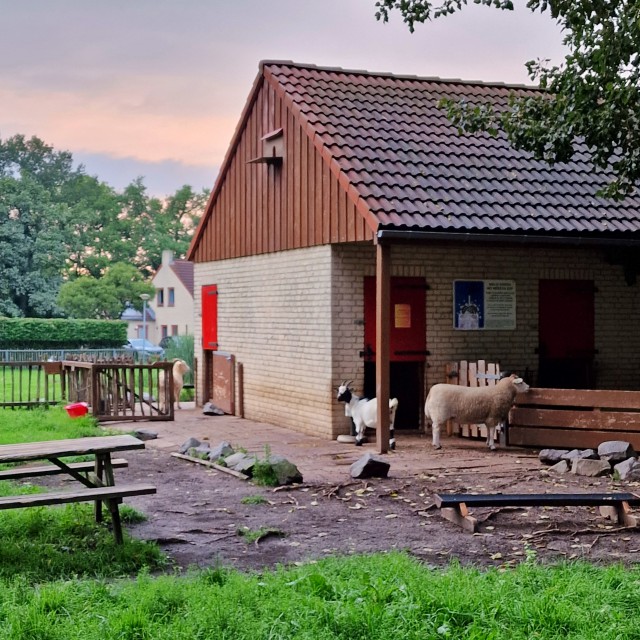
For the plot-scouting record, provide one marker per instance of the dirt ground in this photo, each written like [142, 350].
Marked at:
[198, 513]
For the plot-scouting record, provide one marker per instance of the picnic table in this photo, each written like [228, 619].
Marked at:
[96, 476]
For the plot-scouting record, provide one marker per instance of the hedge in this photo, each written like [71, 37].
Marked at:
[58, 333]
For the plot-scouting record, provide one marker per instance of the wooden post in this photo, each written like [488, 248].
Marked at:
[240, 411]
[383, 300]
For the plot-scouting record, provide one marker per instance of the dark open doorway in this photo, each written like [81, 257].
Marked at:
[407, 346]
[566, 329]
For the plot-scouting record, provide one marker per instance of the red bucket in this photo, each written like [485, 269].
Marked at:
[77, 409]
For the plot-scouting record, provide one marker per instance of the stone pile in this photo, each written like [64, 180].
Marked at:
[613, 457]
[225, 455]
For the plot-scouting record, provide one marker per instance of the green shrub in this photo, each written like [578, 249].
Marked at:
[37, 333]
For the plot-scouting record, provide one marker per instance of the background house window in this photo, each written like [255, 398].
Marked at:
[174, 329]
[164, 331]
[172, 297]
[160, 297]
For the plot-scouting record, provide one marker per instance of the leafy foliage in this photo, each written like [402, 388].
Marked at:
[105, 297]
[58, 224]
[593, 97]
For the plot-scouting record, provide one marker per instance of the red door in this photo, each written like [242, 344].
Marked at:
[407, 346]
[566, 330]
[210, 317]
[408, 327]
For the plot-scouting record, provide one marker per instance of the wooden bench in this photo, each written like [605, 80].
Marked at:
[616, 506]
[113, 496]
[20, 473]
[573, 418]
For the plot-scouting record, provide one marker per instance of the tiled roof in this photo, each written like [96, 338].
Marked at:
[184, 270]
[415, 172]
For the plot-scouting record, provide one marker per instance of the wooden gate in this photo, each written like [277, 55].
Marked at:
[471, 374]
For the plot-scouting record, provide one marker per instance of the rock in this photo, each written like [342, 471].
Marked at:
[591, 468]
[191, 443]
[201, 451]
[580, 454]
[221, 450]
[628, 469]
[145, 434]
[210, 409]
[346, 439]
[234, 459]
[286, 472]
[560, 467]
[369, 466]
[551, 456]
[615, 451]
[244, 465]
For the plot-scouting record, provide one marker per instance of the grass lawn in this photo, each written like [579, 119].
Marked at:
[377, 597]
[62, 577]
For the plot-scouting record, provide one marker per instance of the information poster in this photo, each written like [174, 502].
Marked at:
[484, 305]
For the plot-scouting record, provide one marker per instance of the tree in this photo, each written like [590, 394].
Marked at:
[593, 97]
[106, 297]
[32, 226]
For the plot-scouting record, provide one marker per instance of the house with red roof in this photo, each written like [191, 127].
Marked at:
[354, 233]
[173, 302]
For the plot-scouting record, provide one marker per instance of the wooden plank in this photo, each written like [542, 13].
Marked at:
[82, 495]
[567, 438]
[468, 523]
[581, 398]
[473, 382]
[212, 465]
[463, 381]
[73, 447]
[534, 499]
[18, 473]
[576, 419]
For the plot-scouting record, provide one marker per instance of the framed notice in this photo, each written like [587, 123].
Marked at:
[484, 305]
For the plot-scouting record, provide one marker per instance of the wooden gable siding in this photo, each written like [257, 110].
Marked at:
[260, 208]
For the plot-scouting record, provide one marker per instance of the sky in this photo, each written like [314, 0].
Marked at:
[155, 88]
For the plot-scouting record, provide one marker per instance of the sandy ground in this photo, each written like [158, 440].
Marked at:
[198, 516]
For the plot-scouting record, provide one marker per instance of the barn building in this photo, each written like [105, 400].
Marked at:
[353, 233]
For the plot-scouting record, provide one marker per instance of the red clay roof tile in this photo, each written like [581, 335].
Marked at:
[414, 171]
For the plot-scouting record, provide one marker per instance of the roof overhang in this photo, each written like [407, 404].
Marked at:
[423, 236]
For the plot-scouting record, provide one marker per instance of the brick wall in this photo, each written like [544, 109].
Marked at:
[274, 315]
[295, 319]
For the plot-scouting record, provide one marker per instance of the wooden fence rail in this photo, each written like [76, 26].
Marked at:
[30, 384]
[574, 419]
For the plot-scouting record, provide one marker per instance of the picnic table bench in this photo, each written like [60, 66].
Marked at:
[455, 506]
[96, 477]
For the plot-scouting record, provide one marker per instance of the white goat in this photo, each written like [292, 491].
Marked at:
[364, 412]
[475, 405]
[180, 367]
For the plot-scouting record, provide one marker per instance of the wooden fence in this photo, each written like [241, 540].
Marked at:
[574, 419]
[471, 374]
[113, 391]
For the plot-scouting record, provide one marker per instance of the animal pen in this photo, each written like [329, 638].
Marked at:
[553, 418]
[113, 391]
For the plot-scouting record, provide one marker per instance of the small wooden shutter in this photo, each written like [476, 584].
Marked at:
[210, 317]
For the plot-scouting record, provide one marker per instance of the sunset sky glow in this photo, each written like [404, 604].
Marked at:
[155, 88]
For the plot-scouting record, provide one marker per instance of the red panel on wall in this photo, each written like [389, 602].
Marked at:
[408, 327]
[210, 317]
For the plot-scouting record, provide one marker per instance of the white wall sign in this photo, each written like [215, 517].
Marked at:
[484, 304]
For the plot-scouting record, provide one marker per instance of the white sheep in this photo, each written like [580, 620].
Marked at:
[180, 367]
[364, 413]
[475, 405]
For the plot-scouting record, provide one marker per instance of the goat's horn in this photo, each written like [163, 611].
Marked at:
[346, 384]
